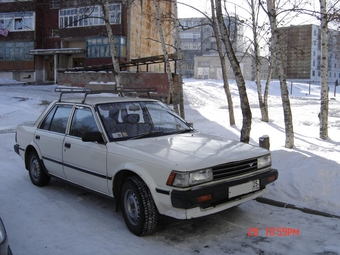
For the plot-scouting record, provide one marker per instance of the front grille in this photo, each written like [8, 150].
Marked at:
[234, 169]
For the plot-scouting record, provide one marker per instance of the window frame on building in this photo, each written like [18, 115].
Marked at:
[89, 16]
[99, 47]
[10, 51]
[18, 21]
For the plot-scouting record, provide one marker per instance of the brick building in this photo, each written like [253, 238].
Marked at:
[39, 38]
[302, 52]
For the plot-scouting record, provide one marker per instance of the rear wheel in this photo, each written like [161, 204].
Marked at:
[37, 174]
[139, 210]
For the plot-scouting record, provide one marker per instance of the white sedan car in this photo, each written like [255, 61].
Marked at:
[144, 155]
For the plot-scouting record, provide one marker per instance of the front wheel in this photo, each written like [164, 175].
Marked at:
[37, 174]
[139, 210]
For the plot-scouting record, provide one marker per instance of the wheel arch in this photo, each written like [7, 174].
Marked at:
[123, 174]
[29, 149]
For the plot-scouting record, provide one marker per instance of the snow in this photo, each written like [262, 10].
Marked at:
[62, 219]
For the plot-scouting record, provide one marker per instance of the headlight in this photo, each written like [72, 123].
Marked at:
[264, 161]
[2, 232]
[179, 179]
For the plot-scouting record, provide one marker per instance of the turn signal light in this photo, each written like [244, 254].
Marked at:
[204, 198]
[171, 179]
[271, 178]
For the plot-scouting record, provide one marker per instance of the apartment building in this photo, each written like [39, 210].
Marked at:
[39, 38]
[198, 39]
[302, 52]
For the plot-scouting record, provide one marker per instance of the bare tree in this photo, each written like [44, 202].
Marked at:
[245, 107]
[116, 67]
[324, 71]
[278, 58]
[263, 101]
[173, 92]
[180, 61]
[213, 22]
[223, 64]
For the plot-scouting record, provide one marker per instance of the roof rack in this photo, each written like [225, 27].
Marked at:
[87, 91]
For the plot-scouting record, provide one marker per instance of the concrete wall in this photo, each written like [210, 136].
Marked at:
[209, 67]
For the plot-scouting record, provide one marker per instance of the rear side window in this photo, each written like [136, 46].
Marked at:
[56, 120]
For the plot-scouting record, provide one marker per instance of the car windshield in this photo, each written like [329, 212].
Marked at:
[134, 120]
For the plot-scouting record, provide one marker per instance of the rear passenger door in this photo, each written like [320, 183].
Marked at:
[85, 162]
[50, 137]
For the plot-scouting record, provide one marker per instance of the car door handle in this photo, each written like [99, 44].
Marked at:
[37, 137]
[67, 145]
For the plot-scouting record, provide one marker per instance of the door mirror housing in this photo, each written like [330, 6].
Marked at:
[92, 137]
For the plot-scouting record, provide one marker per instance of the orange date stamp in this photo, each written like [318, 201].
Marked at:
[274, 231]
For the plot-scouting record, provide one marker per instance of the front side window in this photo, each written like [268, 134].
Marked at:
[83, 121]
[57, 119]
[132, 120]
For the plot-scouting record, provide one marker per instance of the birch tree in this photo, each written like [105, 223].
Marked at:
[263, 101]
[173, 93]
[245, 107]
[116, 67]
[213, 22]
[278, 58]
[180, 58]
[223, 65]
[324, 71]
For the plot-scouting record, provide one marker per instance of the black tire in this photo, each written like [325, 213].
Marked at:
[37, 174]
[139, 210]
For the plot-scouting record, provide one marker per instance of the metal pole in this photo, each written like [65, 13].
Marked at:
[334, 90]
[291, 87]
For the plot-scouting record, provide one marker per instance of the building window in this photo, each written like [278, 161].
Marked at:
[54, 33]
[88, 16]
[100, 47]
[16, 51]
[313, 73]
[55, 4]
[203, 64]
[18, 21]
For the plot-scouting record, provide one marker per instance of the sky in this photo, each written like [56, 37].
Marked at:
[240, 8]
[62, 219]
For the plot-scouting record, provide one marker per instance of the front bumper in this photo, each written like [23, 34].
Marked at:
[215, 195]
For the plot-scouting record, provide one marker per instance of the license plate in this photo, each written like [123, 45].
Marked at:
[244, 188]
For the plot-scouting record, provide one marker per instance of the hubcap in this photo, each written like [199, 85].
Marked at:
[35, 169]
[132, 207]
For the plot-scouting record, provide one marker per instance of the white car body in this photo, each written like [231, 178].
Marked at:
[99, 165]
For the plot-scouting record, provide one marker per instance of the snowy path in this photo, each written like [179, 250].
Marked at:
[60, 219]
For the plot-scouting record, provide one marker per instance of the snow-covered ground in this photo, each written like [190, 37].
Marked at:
[61, 219]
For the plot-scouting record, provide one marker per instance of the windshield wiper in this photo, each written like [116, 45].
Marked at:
[148, 134]
[188, 130]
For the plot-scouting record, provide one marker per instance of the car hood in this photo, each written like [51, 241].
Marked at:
[191, 151]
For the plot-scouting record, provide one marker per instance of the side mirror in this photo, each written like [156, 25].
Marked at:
[92, 137]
